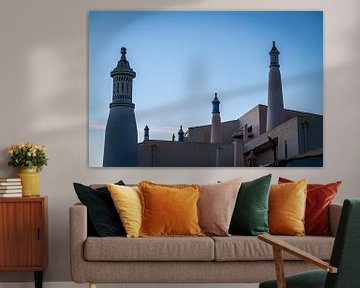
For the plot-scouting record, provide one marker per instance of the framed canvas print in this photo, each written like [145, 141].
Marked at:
[205, 88]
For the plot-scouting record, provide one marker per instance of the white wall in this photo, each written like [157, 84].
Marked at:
[43, 88]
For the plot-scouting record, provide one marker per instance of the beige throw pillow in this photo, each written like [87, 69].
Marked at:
[216, 205]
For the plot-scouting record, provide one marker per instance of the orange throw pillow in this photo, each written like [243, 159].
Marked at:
[287, 204]
[319, 197]
[169, 210]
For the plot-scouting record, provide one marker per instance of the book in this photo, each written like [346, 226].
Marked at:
[10, 186]
[5, 195]
[10, 180]
[10, 183]
[2, 190]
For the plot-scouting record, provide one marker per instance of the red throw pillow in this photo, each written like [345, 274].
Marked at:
[319, 197]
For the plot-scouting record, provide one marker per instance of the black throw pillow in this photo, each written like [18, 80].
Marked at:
[103, 218]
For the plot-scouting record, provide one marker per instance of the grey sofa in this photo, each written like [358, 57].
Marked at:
[234, 259]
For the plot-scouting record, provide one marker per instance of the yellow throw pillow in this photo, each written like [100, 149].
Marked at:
[127, 201]
[287, 204]
[169, 210]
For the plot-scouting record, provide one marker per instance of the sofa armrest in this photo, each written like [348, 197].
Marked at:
[78, 235]
[334, 217]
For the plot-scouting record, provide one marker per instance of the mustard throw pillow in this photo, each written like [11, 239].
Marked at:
[169, 210]
[127, 201]
[287, 204]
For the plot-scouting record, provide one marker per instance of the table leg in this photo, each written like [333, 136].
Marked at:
[38, 279]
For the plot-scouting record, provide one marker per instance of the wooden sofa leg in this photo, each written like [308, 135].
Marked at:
[92, 285]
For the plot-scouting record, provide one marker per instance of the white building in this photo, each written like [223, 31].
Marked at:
[264, 136]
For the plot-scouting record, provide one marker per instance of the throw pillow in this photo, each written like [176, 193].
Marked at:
[250, 215]
[102, 215]
[127, 201]
[216, 206]
[169, 210]
[287, 204]
[319, 197]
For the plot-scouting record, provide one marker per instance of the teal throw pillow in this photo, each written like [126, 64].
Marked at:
[250, 216]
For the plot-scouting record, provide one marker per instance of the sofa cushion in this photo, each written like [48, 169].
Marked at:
[149, 249]
[318, 199]
[245, 248]
[250, 215]
[102, 216]
[216, 205]
[287, 204]
[127, 201]
[169, 210]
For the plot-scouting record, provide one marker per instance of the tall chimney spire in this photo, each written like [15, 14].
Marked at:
[215, 121]
[275, 110]
[181, 134]
[121, 136]
[146, 133]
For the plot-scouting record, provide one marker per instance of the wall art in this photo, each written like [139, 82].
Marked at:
[205, 88]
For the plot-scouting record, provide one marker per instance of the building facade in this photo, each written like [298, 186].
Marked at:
[264, 136]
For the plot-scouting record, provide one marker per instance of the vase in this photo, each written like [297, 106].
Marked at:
[30, 181]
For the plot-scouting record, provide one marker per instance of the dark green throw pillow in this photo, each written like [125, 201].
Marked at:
[250, 216]
[103, 218]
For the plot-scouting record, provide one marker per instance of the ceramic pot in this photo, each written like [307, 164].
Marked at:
[30, 181]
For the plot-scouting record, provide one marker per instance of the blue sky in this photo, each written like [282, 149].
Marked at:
[182, 58]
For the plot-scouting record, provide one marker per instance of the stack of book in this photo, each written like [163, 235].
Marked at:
[10, 187]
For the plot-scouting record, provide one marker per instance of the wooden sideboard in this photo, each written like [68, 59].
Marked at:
[23, 235]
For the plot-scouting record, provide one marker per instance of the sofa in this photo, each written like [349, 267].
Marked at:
[233, 259]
